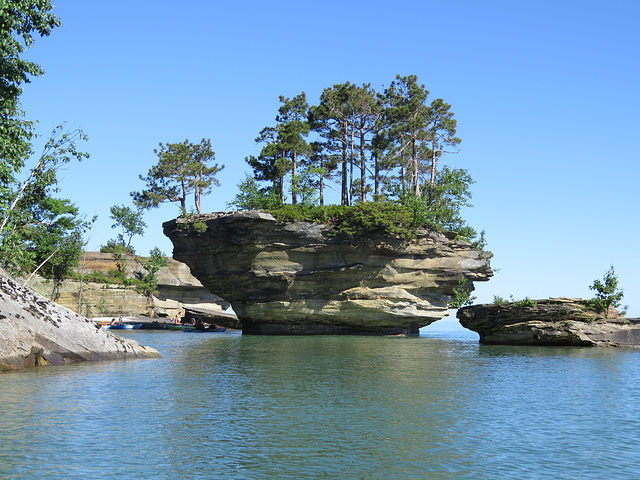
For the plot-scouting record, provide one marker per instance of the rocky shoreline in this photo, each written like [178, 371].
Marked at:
[554, 321]
[35, 331]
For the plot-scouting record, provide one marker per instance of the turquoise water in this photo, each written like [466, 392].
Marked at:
[224, 406]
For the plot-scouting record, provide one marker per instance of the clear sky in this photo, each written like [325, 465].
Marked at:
[546, 94]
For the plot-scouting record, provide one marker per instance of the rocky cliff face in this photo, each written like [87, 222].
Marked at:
[295, 277]
[554, 321]
[35, 331]
[177, 289]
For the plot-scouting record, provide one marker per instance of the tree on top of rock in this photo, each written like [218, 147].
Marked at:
[182, 169]
[607, 293]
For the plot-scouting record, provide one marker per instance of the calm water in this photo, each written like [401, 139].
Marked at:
[438, 406]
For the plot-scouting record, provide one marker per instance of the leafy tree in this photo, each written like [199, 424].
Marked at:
[39, 231]
[252, 197]
[608, 295]
[20, 21]
[182, 169]
[462, 294]
[131, 223]
[148, 284]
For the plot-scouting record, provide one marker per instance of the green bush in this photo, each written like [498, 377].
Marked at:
[115, 247]
[527, 302]
[498, 300]
[362, 219]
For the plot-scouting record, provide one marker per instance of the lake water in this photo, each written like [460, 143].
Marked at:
[227, 406]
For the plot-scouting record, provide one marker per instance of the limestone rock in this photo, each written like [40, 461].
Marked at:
[35, 331]
[554, 321]
[177, 289]
[296, 277]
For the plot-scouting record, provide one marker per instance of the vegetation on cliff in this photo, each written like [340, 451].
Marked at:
[384, 149]
[608, 295]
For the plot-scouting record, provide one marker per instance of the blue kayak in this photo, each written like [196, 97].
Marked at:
[124, 326]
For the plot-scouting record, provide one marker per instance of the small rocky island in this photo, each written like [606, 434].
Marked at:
[35, 331]
[554, 321]
[301, 278]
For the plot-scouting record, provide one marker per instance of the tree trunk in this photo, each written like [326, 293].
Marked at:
[416, 171]
[345, 155]
[363, 166]
[432, 180]
[376, 175]
[294, 181]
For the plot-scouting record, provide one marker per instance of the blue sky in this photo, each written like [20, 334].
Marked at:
[545, 93]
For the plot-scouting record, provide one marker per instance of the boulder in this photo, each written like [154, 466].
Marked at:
[35, 331]
[302, 278]
[554, 321]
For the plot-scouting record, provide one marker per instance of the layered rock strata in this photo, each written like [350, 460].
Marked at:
[300, 278]
[554, 321]
[35, 331]
[177, 290]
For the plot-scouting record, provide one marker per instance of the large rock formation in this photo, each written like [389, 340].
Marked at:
[296, 277]
[177, 290]
[554, 321]
[35, 331]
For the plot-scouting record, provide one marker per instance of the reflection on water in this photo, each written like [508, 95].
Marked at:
[438, 406]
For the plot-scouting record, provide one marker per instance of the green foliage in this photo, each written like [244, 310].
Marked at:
[462, 294]
[21, 21]
[192, 222]
[38, 231]
[148, 284]
[608, 295]
[252, 197]
[114, 246]
[182, 169]
[362, 219]
[498, 300]
[131, 223]
[527, 302]
[441, 208]
[122, 274]
[382, 145]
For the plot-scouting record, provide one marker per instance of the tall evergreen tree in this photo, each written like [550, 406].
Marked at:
[292, 127]
[407, 119]
[441, 129]
[182, 169]
[332, 119]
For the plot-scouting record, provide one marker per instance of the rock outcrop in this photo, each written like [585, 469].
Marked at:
[299, 278]
[177, 290]
[35, 331]
[554, 321]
